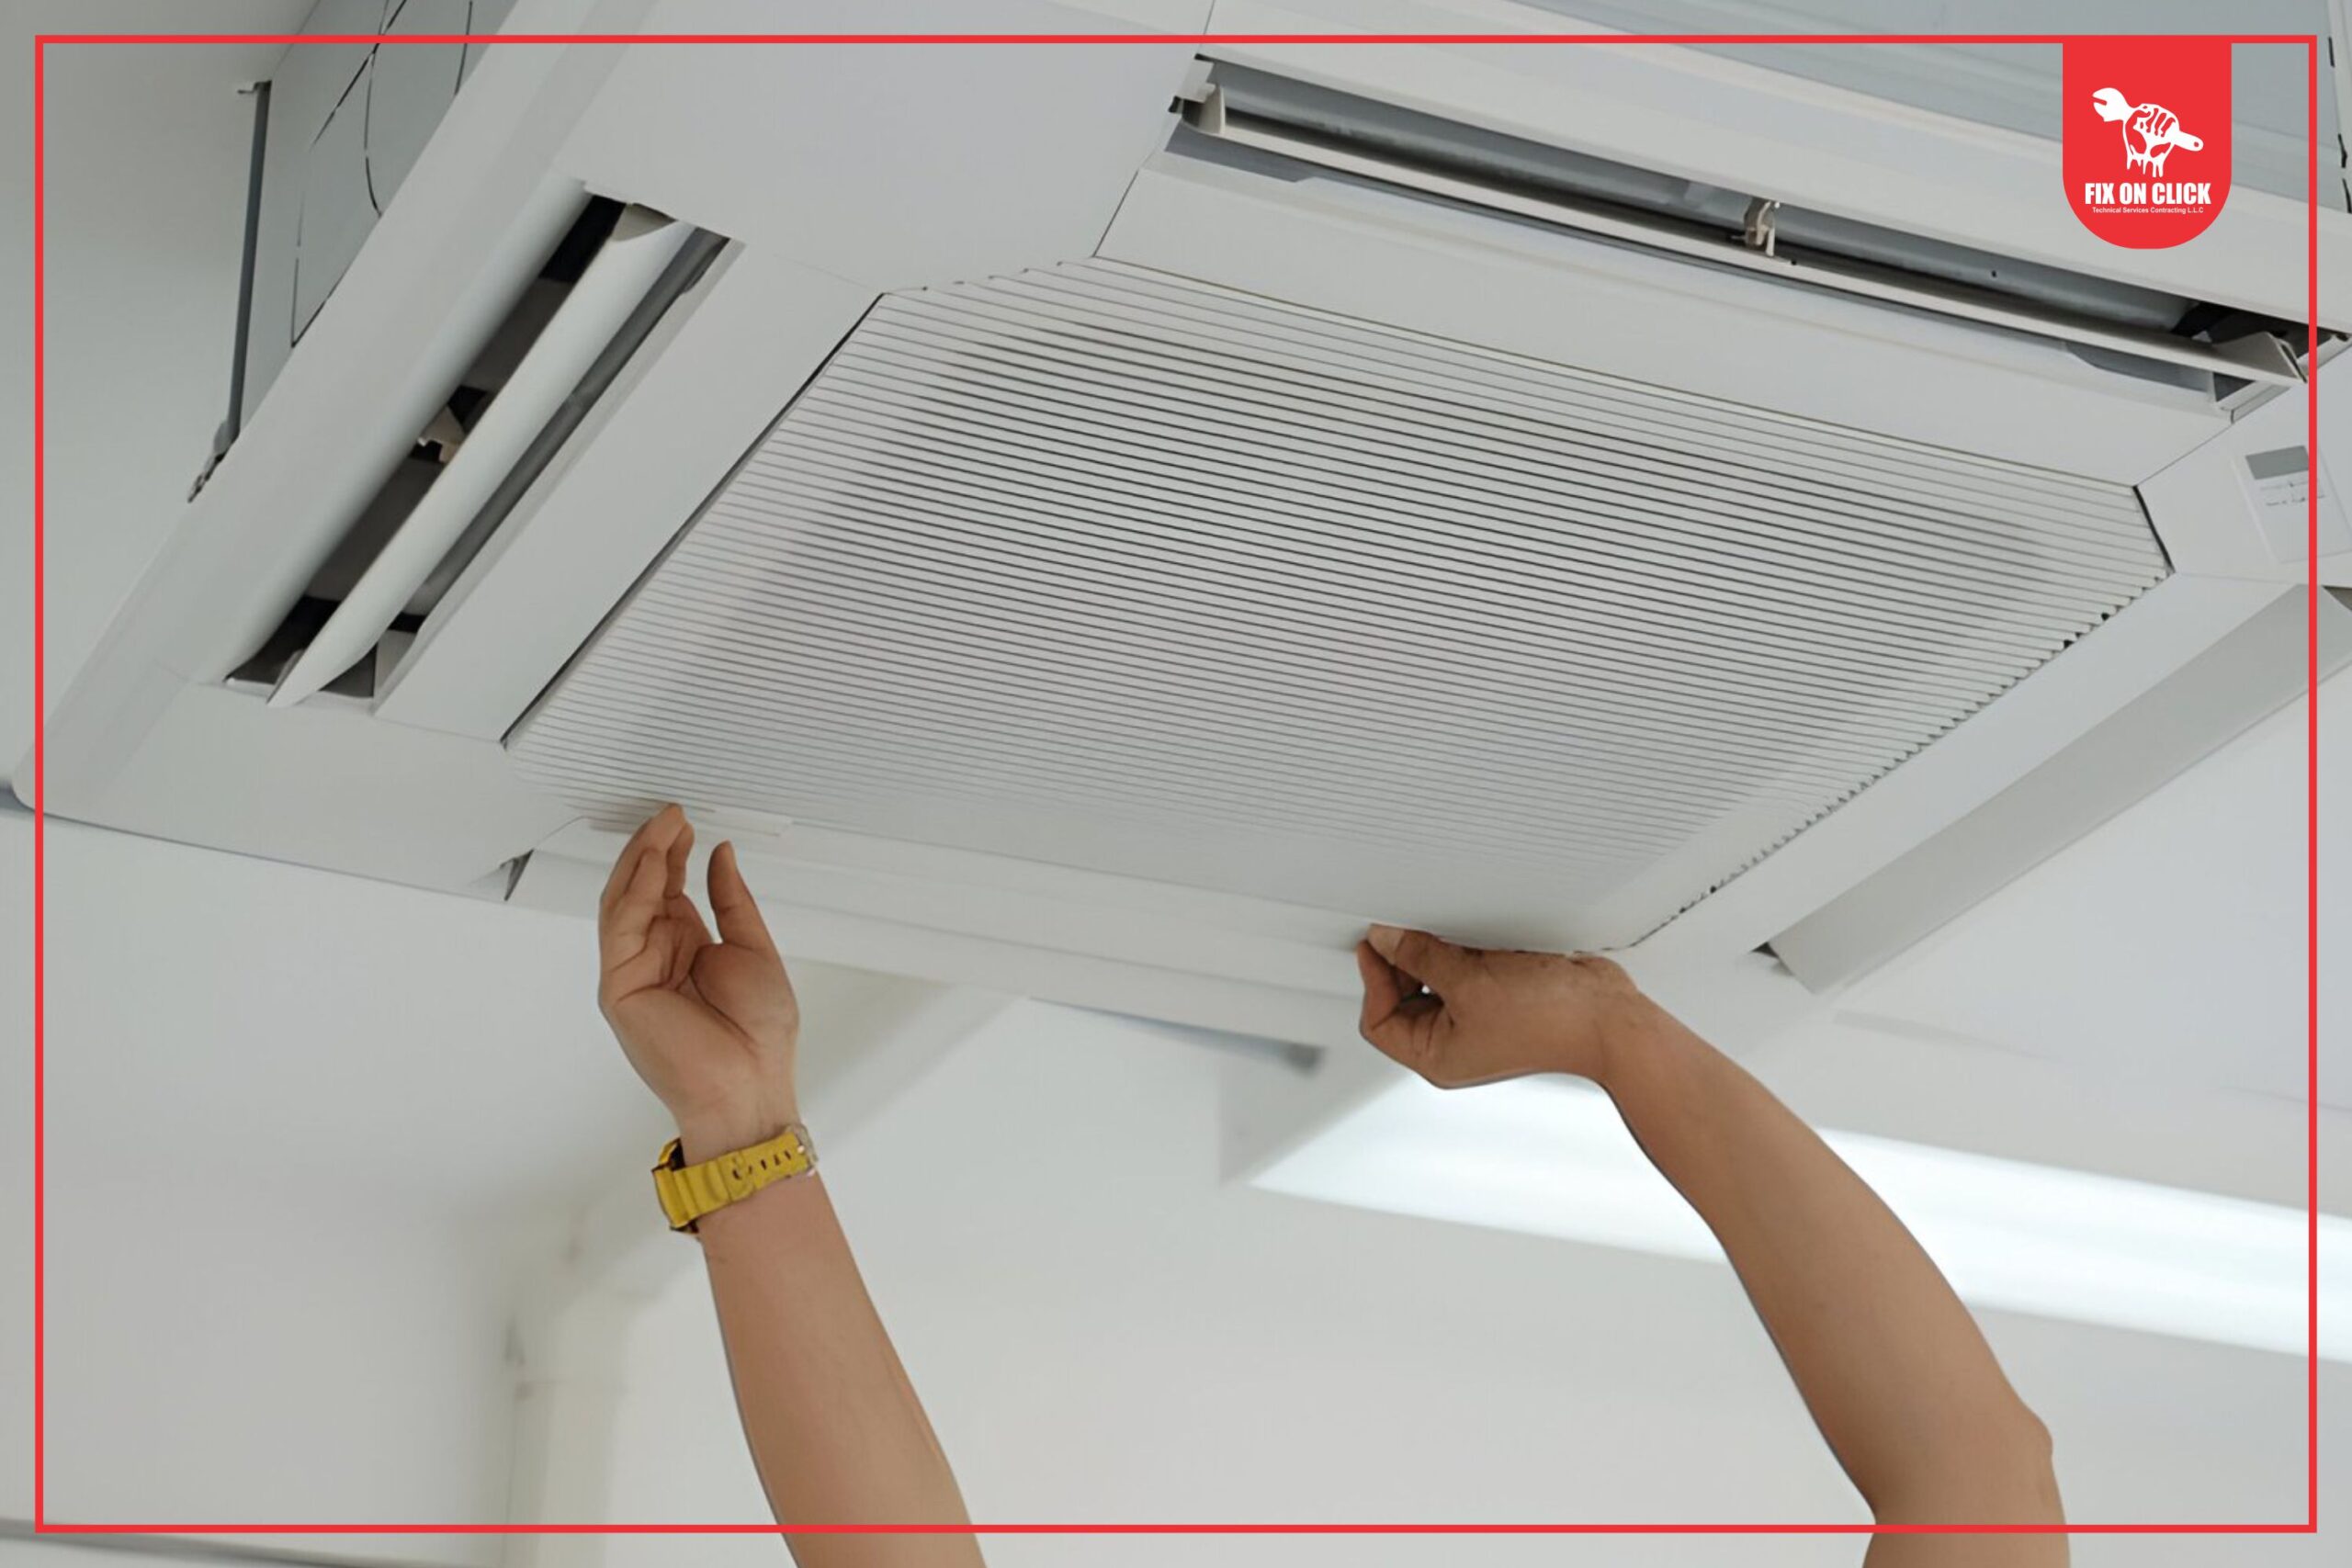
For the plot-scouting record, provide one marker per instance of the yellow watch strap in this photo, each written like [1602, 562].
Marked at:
[690, 1191]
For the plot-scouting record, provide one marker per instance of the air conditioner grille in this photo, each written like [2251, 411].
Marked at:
[1105, 567]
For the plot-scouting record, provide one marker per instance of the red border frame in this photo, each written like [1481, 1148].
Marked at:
[43, 1525]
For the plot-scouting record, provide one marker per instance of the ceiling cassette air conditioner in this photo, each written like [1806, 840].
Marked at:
[1102, 566]
[1107, 522]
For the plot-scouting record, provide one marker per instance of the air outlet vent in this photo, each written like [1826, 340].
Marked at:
[1107, 568]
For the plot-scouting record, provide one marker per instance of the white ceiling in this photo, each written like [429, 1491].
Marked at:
[2170, 942]
[146, 153]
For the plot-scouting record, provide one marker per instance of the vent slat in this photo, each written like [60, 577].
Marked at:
[1505, 463]
[919, 749]
[836, 789]
[1106, 567]
[1075, 775]
[1599, 511]
[1210, 700]
[1798, 658]
[1225, 388]
[1792, 437]
[1497, 390]
[1666, 680]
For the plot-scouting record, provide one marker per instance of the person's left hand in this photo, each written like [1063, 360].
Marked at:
[1460, 1016]
[710, 1026]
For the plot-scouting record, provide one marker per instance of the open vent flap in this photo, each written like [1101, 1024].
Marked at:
[1236, 111]
[567, 336]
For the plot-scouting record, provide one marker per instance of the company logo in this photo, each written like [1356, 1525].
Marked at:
[2149, 167]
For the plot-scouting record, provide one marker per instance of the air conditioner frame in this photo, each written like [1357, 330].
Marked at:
[414, 785]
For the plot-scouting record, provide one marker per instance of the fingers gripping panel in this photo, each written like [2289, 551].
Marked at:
[1103, 567]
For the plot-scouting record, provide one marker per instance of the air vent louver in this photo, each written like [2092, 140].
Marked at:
[1104, 567]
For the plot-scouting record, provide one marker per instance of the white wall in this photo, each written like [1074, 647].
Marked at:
[222, 1352]
[16, 1154]
[314, 1145]
[21, 1550]
[270, 1295]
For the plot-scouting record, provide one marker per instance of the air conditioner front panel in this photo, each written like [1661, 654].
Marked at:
[1107, 568]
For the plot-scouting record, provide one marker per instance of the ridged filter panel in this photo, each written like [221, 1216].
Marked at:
[1103, 566]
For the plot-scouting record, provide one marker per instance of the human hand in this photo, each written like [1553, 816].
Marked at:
[2154, 125]
[710, 1026]
[1460, 1016]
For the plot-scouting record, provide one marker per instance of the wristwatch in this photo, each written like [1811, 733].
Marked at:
[690, 1191]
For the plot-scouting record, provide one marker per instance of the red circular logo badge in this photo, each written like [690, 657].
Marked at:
[2146, 137]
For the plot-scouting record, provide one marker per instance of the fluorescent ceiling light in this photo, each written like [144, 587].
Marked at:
[1551, 1157]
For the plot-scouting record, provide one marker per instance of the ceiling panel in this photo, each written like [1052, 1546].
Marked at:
[1103, 567]
[2016, 86]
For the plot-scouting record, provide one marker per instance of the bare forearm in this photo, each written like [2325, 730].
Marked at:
[1894, 1368]
[714, 1028]
[834, 1426]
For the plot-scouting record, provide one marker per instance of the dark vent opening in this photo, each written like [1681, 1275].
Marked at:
[467, 403]
[1347, 122]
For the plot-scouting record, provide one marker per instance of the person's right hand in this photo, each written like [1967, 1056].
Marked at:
[1460, 1016]
[710, 1026]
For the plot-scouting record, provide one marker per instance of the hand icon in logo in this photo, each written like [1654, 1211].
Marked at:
[2150, 130]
